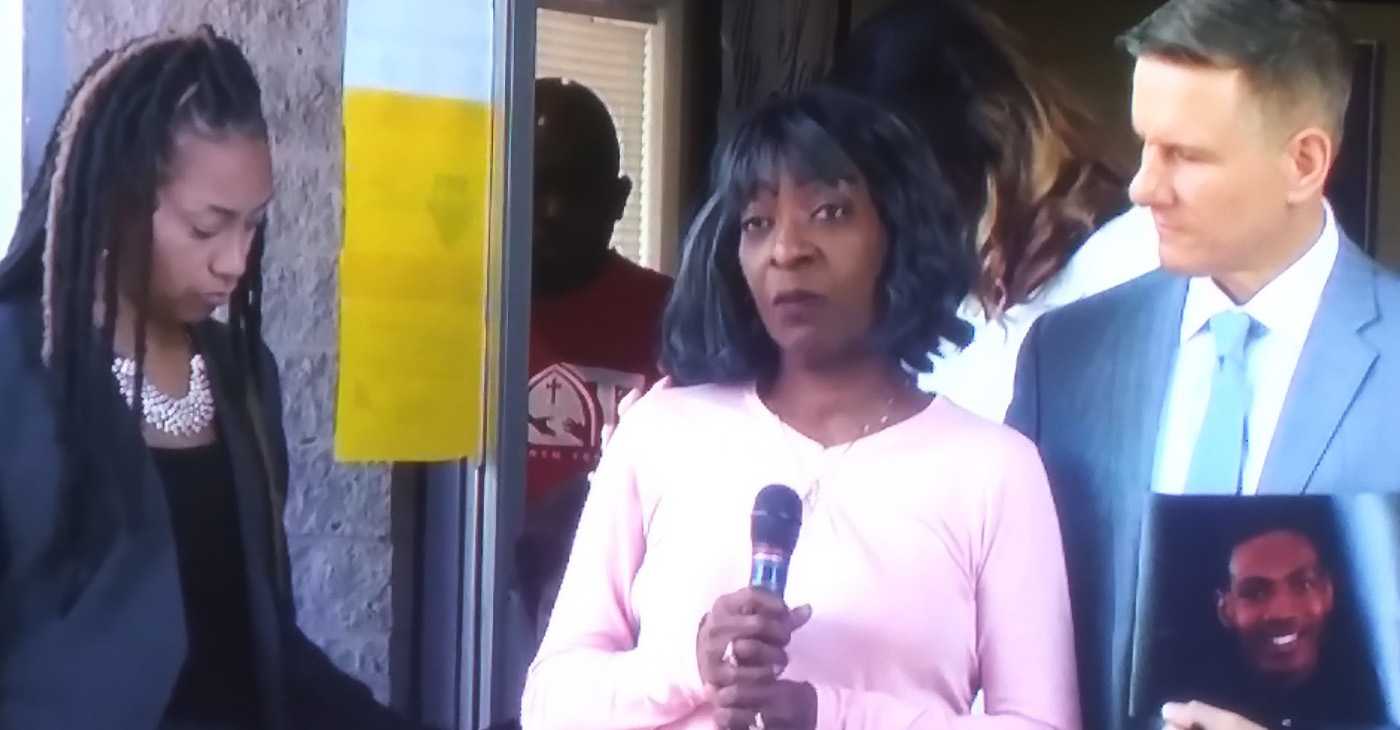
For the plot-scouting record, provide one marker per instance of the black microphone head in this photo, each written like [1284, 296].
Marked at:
[777, 518]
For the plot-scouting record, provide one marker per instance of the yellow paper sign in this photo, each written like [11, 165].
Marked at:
[413, 266]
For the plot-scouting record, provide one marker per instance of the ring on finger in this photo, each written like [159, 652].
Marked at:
[757, 723]
[728, 656]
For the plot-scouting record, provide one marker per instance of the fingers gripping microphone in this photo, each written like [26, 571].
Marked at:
[777, 518]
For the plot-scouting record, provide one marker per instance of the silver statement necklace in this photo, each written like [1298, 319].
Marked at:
[182, 417]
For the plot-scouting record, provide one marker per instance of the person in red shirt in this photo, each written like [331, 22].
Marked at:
[595, 315]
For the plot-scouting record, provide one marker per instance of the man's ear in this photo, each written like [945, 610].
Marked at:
[1311, 154]
[1328, 591]
[622, 190]
[1222, 610]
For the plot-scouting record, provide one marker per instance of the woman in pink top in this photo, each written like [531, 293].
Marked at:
[828, 262]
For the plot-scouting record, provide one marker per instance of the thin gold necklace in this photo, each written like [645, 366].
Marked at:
[814, 483]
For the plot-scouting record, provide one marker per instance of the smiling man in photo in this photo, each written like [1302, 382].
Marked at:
[1293, 658]
[1278, 603]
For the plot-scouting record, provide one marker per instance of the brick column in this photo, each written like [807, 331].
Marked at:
[337, 516]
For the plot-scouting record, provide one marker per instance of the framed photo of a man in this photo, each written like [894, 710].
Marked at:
[1257, 606]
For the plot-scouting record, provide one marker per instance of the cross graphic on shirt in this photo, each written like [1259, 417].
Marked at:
[553, 388]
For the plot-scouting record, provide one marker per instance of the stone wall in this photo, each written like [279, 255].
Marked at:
[337, 516]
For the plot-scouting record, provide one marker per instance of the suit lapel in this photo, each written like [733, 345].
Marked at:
[1153, 347]
[1331, 369]
[1146, 354]
[254, 514]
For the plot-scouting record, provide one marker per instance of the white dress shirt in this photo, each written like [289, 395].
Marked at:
[1284, 309]
[980, 377]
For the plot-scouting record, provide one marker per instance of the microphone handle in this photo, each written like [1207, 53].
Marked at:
[769, 571]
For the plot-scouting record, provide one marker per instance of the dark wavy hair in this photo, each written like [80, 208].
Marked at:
[711, 330]
[87, 217]
[1015, 149]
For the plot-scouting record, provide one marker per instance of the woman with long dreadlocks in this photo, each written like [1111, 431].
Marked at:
[143, 575]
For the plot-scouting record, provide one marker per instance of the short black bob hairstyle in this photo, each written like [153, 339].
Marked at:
[711, 331]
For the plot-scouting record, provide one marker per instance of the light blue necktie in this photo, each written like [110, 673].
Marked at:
[1217, 464]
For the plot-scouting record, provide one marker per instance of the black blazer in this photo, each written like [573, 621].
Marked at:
[107, 654]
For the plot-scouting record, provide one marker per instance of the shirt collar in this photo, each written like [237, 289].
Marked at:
[1285, 305]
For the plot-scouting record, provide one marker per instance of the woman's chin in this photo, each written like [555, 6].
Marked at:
[193, 314]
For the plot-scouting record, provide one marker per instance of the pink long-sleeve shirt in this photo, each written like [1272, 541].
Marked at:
[930, 554]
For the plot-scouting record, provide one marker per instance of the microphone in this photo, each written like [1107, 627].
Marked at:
[777, 518]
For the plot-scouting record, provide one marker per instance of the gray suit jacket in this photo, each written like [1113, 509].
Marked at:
[1090, 386]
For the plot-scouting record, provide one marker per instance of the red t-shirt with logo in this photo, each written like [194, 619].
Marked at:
[588, 349]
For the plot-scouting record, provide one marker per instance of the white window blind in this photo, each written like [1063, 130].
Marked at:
[614, 58]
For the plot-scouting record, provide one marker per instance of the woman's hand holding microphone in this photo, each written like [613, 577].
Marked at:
[742, 651]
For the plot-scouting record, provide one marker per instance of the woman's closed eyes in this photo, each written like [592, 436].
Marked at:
[205, 234]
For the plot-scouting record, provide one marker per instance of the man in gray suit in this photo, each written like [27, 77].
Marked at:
[1264, 356]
